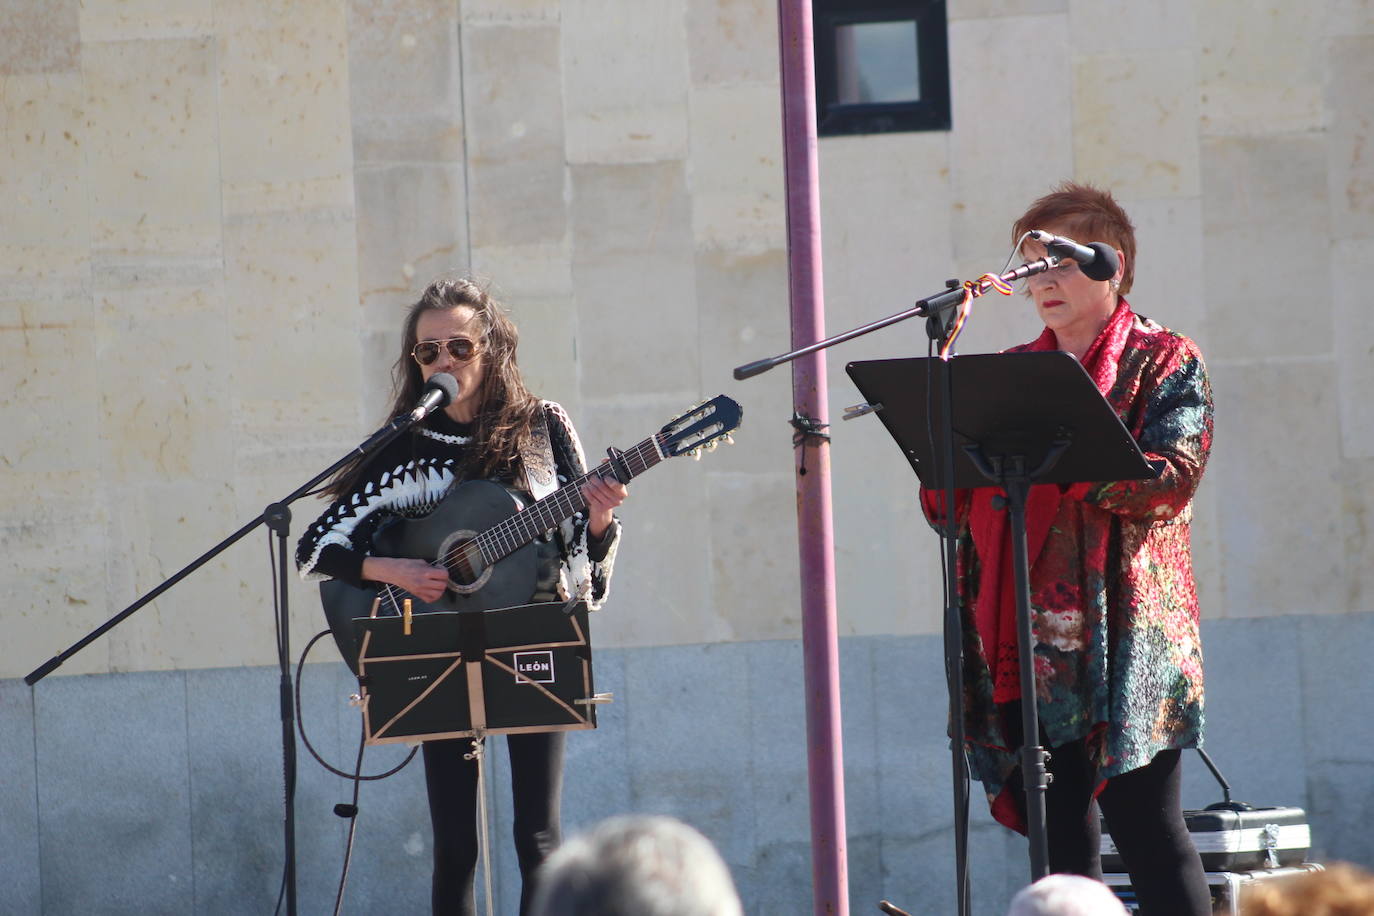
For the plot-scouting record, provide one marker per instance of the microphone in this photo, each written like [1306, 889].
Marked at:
[440, 391]
[1098, 261]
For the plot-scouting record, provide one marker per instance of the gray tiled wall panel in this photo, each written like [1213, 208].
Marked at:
[778, 873]
[1338, 734]
[21, 891]
[1254, 714]
[161, 792]
[113, 796]
[237, 786]
[688, 725]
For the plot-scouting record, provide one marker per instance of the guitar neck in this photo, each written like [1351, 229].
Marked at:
[505, 538]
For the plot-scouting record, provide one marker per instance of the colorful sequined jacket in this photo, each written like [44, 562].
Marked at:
[1114, 607]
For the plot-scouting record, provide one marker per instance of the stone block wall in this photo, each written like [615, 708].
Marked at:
[215, 214]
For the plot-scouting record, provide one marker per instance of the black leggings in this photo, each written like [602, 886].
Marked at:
[1144, 813]
[536, 777]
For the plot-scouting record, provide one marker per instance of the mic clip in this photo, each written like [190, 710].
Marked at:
[859, 410]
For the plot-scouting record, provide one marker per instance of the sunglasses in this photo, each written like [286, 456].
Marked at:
[460, 348]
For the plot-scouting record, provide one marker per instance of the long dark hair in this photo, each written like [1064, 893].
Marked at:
[507, 410]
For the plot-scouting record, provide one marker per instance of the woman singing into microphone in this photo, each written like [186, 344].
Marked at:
[1118, 662]
[490, 431]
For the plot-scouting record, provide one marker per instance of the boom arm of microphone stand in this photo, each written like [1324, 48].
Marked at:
[929, 307]
[749, 370]
[375, 441]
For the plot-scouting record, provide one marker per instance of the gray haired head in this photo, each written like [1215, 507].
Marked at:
[1066, 895]
[640, 865]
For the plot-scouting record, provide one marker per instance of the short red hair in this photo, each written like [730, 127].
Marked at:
[1086, 214]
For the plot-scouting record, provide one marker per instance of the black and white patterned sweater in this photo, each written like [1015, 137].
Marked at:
[413, 474]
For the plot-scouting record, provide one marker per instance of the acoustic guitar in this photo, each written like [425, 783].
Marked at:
[484, 538]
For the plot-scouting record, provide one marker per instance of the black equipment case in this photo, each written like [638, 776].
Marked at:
[1235, 837]
[1237, 840]
[1240, 845]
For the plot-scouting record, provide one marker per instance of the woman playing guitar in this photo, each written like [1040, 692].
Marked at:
[495, 430]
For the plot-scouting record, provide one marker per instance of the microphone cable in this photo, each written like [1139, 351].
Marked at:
[350, 811]
[300, 727]
[1015, 250]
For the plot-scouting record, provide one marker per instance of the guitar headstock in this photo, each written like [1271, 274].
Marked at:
[704, 426]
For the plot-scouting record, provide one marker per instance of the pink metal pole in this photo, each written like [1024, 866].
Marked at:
[815, 534]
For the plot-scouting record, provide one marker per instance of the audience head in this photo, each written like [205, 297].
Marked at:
[1339, 890]
[640, 865]
[1066, 895]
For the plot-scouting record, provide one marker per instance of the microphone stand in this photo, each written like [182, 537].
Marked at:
[938, 310]
[277, 517]
[932, 307]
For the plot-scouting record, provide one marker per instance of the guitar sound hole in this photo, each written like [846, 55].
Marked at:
[464, 563]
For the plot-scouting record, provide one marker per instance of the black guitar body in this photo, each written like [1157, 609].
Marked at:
[472, 508]
[504, 571]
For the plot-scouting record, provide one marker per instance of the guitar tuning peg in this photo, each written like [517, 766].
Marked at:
[729, 439]
[695, 453]
[711, 446]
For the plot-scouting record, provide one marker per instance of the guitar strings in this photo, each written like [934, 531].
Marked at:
[566, 500]
[390, 592]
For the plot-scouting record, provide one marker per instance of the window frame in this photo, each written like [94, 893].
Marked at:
[931, 112]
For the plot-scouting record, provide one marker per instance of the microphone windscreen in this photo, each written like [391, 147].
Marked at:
[448, 385]
[1105, 265]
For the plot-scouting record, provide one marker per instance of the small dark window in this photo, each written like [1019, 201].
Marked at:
[881, 65]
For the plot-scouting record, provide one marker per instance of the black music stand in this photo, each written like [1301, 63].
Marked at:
[1016, 419]
[471, 673]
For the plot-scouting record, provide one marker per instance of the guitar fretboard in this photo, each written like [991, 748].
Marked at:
[505, 538]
